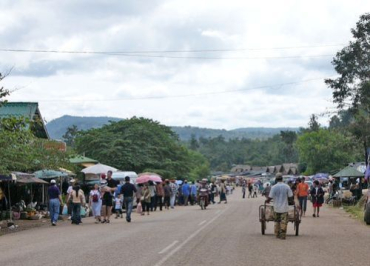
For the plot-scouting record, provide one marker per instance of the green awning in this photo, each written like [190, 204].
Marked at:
[349, 171]
[46, 174]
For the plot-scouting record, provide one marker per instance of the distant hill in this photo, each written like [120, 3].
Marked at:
[58, 127]
[249, 133]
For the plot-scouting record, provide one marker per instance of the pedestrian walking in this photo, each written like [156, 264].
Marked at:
[250, 190]
[167, 194]
[185, 192]
[244, 189]
[128, 191]
[222, 192]
[153, 192]
[118, 203]
[266, 191]
[193, 194]
[69, 203]
[159, 196]
[174, 188]
[302, 191]
[255, 190]
[107, 201]
[78, 200]
[213, 191]
[55, 201]
[145, 199]
[317, 195]
[280, 193]
[95, 203]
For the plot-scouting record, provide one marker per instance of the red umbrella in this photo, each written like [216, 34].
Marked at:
[146, 177]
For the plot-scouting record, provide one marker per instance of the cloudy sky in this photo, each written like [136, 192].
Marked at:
[217, 64]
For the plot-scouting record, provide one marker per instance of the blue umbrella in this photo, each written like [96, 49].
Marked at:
[321, 176]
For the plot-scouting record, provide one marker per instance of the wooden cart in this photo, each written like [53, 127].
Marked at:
[266, 215]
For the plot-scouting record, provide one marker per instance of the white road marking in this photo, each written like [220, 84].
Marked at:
[169, 255]
[167, 248]
[202, 222]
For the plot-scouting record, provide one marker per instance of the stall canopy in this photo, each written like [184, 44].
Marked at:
[82, 160]
[31, 180]
[10, 177]
[349, 172]
[94, 172]
[98, 169]
[48, 174]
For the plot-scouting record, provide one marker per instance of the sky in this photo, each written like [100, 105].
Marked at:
[206, 63]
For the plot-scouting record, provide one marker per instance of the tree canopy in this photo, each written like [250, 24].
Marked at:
[352, 63]
[141, 144]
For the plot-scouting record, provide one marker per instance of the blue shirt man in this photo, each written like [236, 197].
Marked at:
[55, 200]
[185, 192]
[185, 189]
[193, 189]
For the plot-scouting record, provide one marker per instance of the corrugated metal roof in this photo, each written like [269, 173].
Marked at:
[19, 109]
[28, 110]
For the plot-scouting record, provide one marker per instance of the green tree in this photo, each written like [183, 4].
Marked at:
[194, 145]
[22, 151]
[325, 150]
[3, 92]
[352, 64]
[314, 125]
[70, 135]
[137, 144]
[351, 89]
[289, 138]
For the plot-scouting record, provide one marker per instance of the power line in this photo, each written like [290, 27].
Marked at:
[170, 51]
[165, 56]
[183, 95]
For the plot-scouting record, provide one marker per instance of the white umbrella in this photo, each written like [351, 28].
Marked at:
[98, 169]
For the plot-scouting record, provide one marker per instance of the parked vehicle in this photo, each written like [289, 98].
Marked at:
[120, 176]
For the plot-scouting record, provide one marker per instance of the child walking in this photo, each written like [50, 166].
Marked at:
[118, 207]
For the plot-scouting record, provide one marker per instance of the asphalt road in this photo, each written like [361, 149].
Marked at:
[224, 234]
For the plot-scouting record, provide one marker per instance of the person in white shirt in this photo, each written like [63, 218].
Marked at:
[280, 194]
[69, 203]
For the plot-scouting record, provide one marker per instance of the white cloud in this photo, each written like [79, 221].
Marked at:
[107, 85]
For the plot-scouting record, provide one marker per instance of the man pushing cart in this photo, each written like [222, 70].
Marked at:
[281, 194]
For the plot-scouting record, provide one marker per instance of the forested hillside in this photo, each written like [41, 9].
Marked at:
[186, 133]
[58, 127]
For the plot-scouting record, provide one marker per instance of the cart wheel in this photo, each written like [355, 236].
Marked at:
[296, 227]
[263, 227]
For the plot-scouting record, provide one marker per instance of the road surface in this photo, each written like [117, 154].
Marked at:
[224, 234]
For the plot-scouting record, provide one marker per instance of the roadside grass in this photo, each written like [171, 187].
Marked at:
[357, 211]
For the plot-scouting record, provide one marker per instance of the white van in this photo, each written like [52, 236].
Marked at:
[120, 176]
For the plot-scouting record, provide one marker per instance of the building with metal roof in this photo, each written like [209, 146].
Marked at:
[26, 110]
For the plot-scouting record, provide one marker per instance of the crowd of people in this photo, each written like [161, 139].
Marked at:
[110, 197]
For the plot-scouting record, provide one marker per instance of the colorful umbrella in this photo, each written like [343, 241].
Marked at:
[146, 177]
